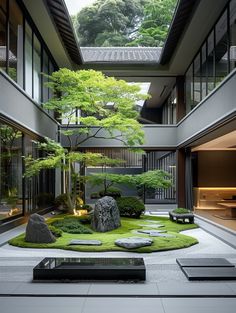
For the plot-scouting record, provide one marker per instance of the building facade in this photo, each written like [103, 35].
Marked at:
[189, 123]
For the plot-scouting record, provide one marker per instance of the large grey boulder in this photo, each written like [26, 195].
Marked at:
[106, 215]
[133, 242]
[37, 230]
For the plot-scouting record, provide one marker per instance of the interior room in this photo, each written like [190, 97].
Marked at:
[214, 180]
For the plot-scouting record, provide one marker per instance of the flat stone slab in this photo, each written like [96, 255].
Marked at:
[203, 262]
[85, 242]
[148, 231]
[152, 225]
[133, 242]
[156, 234]
[67, 269]
[154, 222]
[209, 273]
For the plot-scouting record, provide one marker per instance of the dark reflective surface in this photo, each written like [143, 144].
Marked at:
[51, 263]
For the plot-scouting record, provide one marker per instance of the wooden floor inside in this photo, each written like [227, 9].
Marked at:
[212, 215]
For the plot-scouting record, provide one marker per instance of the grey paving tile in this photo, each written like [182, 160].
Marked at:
[39, 305]
[123, 289]
[194, 288]
[52, 288]
[232, 286]
[124, 305]
[206, 305]
[8, 287]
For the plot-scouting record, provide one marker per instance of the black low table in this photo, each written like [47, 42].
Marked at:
[90, 269]
[204, 262]
[207, 268]
[210, 273]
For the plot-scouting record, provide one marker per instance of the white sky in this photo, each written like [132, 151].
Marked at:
[74, 6]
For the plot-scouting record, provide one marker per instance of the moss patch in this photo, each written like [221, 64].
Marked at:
[126, 230]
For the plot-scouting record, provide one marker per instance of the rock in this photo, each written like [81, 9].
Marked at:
[149, 231]
[156, 234]
[133, 242]
[106, 215]
[85, 242]
[153, 226]
[37, 230]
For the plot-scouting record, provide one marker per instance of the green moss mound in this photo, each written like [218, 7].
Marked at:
[126, 230]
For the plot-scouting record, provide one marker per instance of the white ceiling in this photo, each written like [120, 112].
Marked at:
[159, 89]
[226, 142]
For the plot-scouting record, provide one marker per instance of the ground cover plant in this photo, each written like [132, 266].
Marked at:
[128, 229]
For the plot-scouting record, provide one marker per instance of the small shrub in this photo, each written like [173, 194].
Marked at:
[61, 200]
[94, 195]
[86, 207]
[111, 192]
[181, 211]
[84, 219]
[130, 207]
[71, 225]
[57, 232]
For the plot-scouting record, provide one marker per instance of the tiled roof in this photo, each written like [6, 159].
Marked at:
[121, 54]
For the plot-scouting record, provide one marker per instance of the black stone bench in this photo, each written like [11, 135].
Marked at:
[174, 217]
[66, 269]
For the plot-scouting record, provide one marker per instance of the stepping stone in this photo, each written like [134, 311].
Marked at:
[85, 242]
[209, 273]
[156, 234]
[133, 242]
[204, 262]
[148, 231]
[151, 221]
[153, 226]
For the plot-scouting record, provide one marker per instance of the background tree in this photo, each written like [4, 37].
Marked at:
[109, 22]
[151, 179]
[124, 22]
[155, 24]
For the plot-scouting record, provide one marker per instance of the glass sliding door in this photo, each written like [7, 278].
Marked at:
[11, 195]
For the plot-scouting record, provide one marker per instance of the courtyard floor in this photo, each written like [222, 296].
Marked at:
[166, 289]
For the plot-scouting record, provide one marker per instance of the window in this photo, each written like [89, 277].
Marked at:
[11, 198]
[210, 63]
[189, 89]
[204, 72]
[221, 49]
[232, 34]
[21, 49]
[28, 60]
[45, 78]
[15, 54]
[37, 70]
[197, 80]
[3, 35]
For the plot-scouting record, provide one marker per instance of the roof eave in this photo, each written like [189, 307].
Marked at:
[180, 20]
[61, 17]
